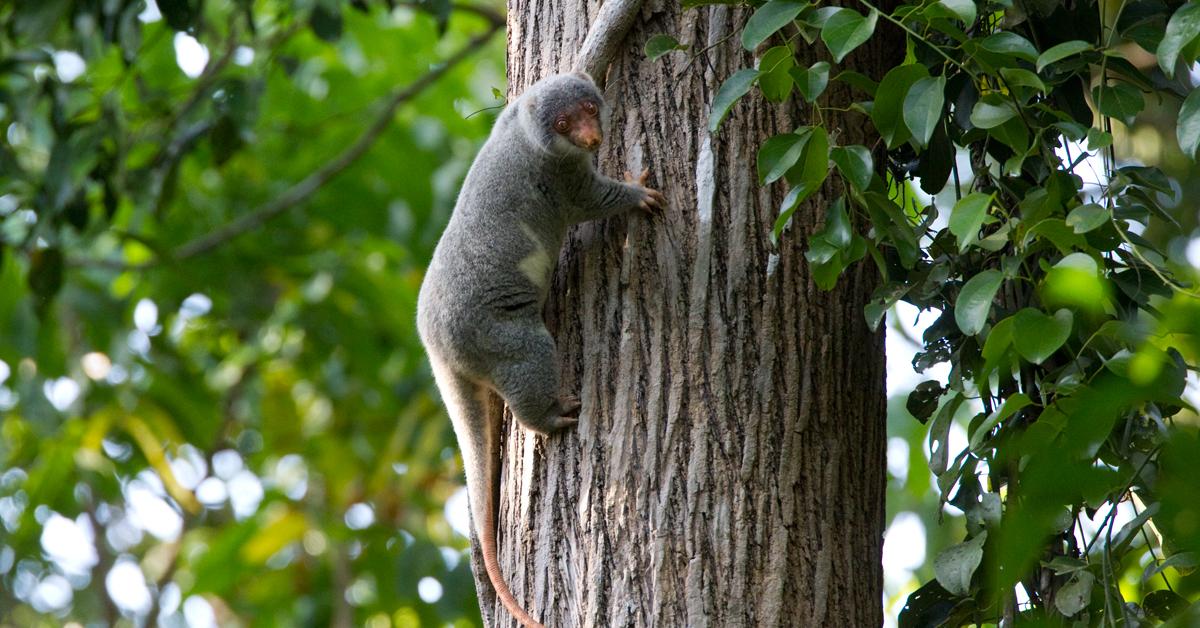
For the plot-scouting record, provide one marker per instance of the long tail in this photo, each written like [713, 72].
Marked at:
[477, 427]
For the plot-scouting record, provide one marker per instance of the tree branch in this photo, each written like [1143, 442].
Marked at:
[301, 191]
[605, 35]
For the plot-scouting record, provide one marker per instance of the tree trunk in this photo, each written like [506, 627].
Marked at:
[728, 467]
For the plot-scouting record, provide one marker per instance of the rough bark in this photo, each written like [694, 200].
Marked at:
[728, 469]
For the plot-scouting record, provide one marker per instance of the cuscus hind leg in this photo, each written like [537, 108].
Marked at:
[529, 381]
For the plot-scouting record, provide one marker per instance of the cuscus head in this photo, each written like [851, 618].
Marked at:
[565, 113]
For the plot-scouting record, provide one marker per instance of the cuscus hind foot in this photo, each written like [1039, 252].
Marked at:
[569, 406]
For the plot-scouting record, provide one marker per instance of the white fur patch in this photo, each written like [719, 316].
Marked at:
[538, 264]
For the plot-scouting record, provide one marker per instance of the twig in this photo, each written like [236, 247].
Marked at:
[605, 35]
[301, 191]
[493, 17]
[304, 189]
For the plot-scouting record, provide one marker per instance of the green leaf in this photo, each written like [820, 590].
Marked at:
[778, 154]
[956, 564]
[1011, 406]
[178, 14]
[923, 107]
[1182, 29]
[923, 400]
[1097, 139]
[1121, 101]
[806, 176]
[1084, 218]
[812, 81]
[967, 217]
[834, 247]
[1074, 596]
[326, 21]
[1011, 44]
[964, 9]
[1037, 335]
[1184, 562]
[774, 78]
[991, 111]
[975, 301]
[928, 607]
[888, 112]
[1188, 131]
[731, 91]
[1062, 51]
[769, 18]
[1164, 605]
[846, 30]
[1018, 77]
[855, 164]
[660, 45]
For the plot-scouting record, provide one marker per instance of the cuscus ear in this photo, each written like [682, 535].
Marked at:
[585, 76]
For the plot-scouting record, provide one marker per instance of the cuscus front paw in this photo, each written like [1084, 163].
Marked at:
[652, 199]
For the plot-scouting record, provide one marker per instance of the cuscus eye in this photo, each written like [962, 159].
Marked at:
[562, 125]
[589, 107]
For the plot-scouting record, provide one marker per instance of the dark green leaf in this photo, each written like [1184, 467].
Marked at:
[991, 111]
[178, 14]
[855, 164]
[964, 9]
[846, 30]
[975, 301]
[774, 77]
[930, 606]
[1188, 130]
[1010, 44]
[45, 275]
[326, 22]
[731, 91]
[768, 19]
[923, 400]
[812, 81]
[1037, 335]
[1074, 596]
[660, 45]
[1164, 605]
[1121, 101]
[1182, 29]
[888, 112]
[805, 177]
[937, 161]
[1018, 77]
[968, 216]
[956, 564]
[1011, 406]
[778, 154]
[923, 107]
[1084, 218]
[1062, 51]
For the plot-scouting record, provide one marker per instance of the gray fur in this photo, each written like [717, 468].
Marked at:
[479, 313]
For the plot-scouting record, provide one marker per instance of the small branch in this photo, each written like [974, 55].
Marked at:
[301, 191]
[493, 17]
[605, 36]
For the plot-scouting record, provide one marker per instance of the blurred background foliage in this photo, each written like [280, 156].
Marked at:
[214, 217]
[214, 420]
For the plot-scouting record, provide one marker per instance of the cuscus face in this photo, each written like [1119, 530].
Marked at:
[568, 109]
